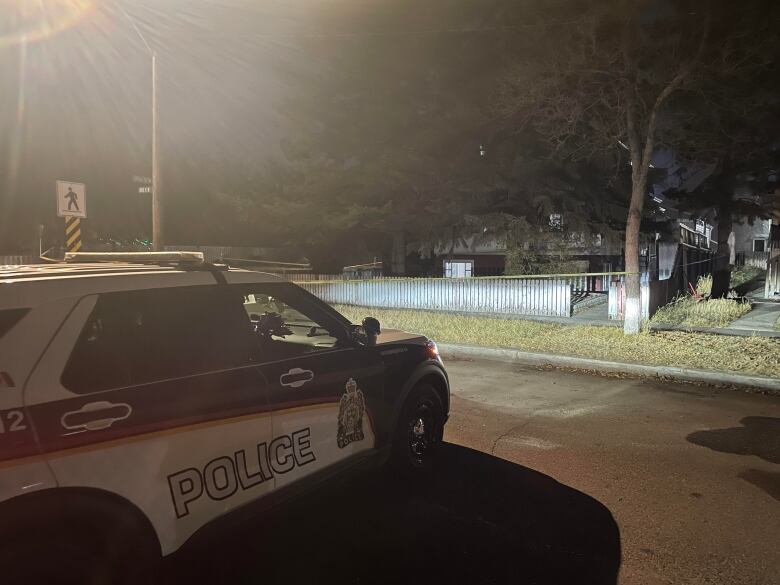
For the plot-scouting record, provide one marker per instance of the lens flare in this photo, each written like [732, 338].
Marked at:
[35, 20]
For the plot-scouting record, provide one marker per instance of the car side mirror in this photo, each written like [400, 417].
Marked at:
[371, 328]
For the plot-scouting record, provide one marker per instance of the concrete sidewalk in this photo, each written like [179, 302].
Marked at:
[762, 318]
[598, 314]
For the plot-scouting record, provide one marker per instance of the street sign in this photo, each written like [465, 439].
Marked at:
[72, 234]
[71, 199]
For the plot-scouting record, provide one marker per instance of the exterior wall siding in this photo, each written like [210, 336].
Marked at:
[744, 234]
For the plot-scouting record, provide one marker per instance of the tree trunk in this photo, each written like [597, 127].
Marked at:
[721, 271]
[633, 309]
[641, 153]
[398, 257]
[640, 159]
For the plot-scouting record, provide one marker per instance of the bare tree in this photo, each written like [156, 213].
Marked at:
[598, 81]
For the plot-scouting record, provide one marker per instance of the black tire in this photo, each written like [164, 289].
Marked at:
[85, 554]
[59, 561]
[420, 430]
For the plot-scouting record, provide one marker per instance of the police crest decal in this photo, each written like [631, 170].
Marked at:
[351, 408]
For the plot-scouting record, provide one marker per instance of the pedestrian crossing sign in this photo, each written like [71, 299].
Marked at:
[71, 199]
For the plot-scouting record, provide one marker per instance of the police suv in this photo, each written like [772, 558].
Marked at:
[144, 396]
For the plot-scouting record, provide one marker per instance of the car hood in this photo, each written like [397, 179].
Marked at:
[397, 336]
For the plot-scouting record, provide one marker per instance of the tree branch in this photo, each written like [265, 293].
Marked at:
[670, 88]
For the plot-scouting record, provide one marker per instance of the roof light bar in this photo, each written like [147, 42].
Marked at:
[192, 258]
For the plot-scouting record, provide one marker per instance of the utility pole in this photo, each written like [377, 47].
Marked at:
[156, 219]
[156, 240]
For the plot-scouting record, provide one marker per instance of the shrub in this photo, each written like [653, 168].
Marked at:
[704, 286]
[686, 310]
[563, 267]
[520, 261]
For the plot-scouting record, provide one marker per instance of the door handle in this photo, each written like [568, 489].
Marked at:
[95, 416]
[296, 378]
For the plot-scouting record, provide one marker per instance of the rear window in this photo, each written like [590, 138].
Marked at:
[9, 318]
[142, 336]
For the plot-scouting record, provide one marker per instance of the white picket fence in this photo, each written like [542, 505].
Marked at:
[550, 296]
[755, 259]
[617, 298]
[772, 283]
[11, 260]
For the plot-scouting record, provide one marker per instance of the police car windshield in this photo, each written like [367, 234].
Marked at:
[259, 304]
[284, 331]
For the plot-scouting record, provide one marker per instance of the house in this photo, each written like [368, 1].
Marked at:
[772, 282]
[750, 243]
[373, 269]
[473, 256]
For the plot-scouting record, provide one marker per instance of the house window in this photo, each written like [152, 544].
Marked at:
[458, 268]
[759, 245]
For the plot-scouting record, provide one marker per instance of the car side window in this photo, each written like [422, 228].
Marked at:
[286, 325]
[143, 336]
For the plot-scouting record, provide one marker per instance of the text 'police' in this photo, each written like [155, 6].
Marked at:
[220, 478]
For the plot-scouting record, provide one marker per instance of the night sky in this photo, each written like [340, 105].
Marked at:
[75, 103]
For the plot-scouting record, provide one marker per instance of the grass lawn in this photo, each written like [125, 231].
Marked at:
[750, 355]
[742, 274]
[710, 313]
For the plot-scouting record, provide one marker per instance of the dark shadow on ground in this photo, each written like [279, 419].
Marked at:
[759, 436]
[755, 283]
[765, 480]
[477, 519]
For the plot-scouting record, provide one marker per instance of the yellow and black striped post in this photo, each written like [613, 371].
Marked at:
[72, 234]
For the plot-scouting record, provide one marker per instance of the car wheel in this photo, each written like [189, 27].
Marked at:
[76, 558]
[52, 561]
[420, 430]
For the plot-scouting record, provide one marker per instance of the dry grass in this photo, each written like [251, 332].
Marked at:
[743, 274]
[710, 313]
[749, 355]
[704, 286]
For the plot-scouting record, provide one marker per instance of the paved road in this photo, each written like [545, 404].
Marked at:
[547, 477]
[691, 474]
